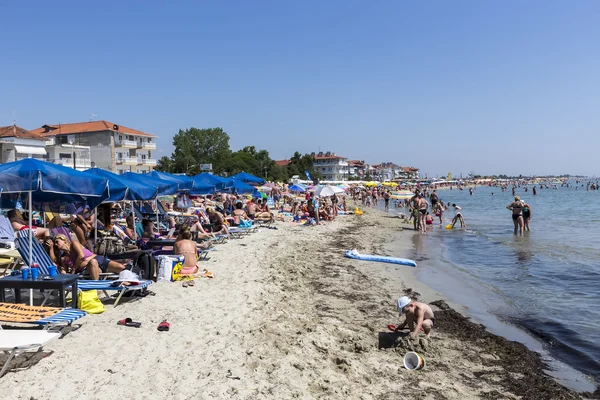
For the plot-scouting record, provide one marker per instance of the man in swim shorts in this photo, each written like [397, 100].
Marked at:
[419, 316]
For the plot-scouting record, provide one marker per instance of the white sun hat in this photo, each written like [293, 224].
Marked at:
[402, 302]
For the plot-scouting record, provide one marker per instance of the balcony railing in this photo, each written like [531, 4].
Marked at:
[147, 161]
[146, 146]
[127, 160]
[130, 144]
[67, 162]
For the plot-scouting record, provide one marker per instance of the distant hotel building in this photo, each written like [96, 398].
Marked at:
[331, 166]
[17, 143]
[109, 146]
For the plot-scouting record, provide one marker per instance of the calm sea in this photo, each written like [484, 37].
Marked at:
[548, 279]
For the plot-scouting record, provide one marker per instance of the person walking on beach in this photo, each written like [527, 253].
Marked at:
[419, 316]
[458, 217]
[517, 214]
[386, 200]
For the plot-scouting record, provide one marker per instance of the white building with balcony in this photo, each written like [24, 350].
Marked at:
[17, 143]
[112, 147]
[331, 166]
[68, 155]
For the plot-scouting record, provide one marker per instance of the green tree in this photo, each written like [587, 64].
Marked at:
[194, 147]
[164, 164]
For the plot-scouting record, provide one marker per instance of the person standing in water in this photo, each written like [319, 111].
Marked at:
[458, 217]
[517, 214]
[534, 191]
[526, 217]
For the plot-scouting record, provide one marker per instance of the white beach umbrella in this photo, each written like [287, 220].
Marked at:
[327, 191]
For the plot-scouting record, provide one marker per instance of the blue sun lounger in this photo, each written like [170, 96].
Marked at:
[40, 256]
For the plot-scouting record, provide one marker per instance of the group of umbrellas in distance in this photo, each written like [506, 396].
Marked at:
[47, 182]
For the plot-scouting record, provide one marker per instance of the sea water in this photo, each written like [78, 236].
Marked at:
[546, 281]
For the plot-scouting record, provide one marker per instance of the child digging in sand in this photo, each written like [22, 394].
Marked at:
[418, 316]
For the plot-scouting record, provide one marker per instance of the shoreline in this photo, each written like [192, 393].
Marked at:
[287, 315]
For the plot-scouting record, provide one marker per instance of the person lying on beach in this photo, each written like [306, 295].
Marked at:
[19, 224]
[419, 316]
[72, 258]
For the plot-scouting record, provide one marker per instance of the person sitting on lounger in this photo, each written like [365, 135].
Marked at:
[239, 214]
[130, 229]
[19, 224]
[73, 258]
[149, 232]
[217, 221]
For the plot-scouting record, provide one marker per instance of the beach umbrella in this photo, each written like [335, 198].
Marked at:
[248, 178]
[183, 182]
[164, 187]
[218, 182]
[296, 188]
[243, 188]
[327, 191]
[134, 190]
[45, 183]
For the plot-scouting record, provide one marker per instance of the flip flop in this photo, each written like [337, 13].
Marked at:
[164, 326]
[185, 284]
[192, 283]
[129, 322]
[392, 327]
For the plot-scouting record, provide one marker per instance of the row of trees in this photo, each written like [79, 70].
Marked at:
[194, 147]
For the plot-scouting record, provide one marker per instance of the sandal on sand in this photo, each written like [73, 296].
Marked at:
[191, 283]
[207, 274]
[185, 284]
[129, 322]
[164, 326]
[392, 327]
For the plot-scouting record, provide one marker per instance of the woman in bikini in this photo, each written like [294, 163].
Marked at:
[216, 219]
[517, 214]
[72, 257]
[239, 214]
[185, 246]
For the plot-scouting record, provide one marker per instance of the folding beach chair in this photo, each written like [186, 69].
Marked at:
[40, 256]
[48, 317]
[16, 342]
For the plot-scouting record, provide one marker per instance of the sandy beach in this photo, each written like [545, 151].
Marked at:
[286, 316]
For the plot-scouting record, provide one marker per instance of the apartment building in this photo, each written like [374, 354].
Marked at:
[113, 147]
[331, 166]
[17, 143]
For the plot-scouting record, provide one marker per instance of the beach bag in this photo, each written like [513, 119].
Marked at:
[89, 302]
[144, 266]
[109, 245]
[169, 267]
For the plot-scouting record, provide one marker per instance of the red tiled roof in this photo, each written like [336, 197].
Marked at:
[282, 163]
[84, 127]
[18, 132]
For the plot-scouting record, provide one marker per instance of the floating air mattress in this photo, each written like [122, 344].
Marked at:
[392, 260]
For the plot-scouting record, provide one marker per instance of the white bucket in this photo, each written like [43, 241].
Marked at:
[414, 361]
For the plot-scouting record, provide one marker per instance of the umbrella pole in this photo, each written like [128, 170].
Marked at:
[156, 208]
[95, 226]
[134, 223]
[30, 243]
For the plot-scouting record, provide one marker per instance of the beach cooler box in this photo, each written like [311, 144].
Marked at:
[169, 267]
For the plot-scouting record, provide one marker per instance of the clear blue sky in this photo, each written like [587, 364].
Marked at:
[448, 86]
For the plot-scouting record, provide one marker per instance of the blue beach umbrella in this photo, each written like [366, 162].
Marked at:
[134, 190]
[248, 178]
[164, 187]
[183, 182]
[296, 188]
[243, 188]
[208, 179]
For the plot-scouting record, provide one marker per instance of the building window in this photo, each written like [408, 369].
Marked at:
[64, 155]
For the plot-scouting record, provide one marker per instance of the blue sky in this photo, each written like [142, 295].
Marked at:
[448, 86]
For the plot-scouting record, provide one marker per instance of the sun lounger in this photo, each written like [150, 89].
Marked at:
[43, 259]
[38, 315]
[16, 342]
